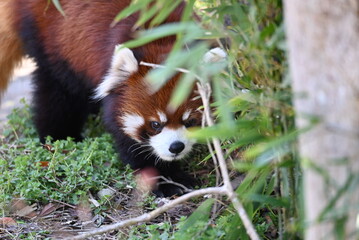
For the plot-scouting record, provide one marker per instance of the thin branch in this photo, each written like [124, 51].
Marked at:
[63, 203]
[148, 216]
[182, 70]
[203, 91]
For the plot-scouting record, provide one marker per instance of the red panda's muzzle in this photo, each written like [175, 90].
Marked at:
[167, 141]
[171, 144]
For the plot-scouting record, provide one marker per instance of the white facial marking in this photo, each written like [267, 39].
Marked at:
[162, 142]
[186, 115]
[215, 55]
[162, 116]
[123, 65]
[131, 123]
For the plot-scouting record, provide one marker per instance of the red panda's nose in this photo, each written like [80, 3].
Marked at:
[176, 147]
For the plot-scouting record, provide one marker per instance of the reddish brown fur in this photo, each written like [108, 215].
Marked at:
[84, 36]
[10, 45]
[85, 39]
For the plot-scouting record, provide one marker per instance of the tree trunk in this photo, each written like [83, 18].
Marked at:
[323, 44]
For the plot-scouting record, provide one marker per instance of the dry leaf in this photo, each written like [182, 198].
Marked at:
[28, 211]
[83, 211]
[49, 208]
[22, 209]
[7, 222]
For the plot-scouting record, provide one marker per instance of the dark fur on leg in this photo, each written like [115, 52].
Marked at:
[58, 112]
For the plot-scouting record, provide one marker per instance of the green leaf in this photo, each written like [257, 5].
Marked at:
[162, 31]
[182, 90]
[272, 201]
[164, 12]
[146, 15]
[178, 59]
[235, 229]
[200, 215]
[132, 8]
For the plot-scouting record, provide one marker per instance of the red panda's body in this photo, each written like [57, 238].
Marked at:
[76, 60]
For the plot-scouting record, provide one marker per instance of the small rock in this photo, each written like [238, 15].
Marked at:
[106, 192]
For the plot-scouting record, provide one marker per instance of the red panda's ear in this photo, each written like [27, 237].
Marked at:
[215, 55]
[123, 65]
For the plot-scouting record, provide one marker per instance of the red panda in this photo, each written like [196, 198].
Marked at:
[76, 60]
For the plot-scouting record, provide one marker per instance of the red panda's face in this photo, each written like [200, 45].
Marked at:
[164, 134]
[149, 122]
[143, 115]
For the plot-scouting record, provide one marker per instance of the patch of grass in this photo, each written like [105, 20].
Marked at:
[62, 170]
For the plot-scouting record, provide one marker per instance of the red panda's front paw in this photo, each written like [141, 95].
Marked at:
[169, 188]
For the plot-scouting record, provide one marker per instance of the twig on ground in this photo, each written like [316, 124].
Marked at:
[148, 216]
[63, 203]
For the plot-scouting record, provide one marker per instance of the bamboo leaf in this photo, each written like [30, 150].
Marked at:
[160, 32]
[166, 10]
[272, 201]
[200, 215]
[182, 91]
[132, 8]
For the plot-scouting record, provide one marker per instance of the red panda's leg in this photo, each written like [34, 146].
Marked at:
[171, 171]
[58, 112]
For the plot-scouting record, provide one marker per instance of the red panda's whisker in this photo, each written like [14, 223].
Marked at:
[138, 146]
[145, 150]
[135, 144]
[157, 160]
[149, 155]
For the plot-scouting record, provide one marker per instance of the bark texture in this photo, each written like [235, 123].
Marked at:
[323, 43]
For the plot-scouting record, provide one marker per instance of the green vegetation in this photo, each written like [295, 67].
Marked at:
[62, 170]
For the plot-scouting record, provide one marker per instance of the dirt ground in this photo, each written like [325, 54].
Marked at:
[20, 87]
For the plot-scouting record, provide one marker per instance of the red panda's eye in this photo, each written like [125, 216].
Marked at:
[156, 125]
[190, 123]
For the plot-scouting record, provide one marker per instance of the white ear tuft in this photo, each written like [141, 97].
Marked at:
[215, 55]
[123, 65]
